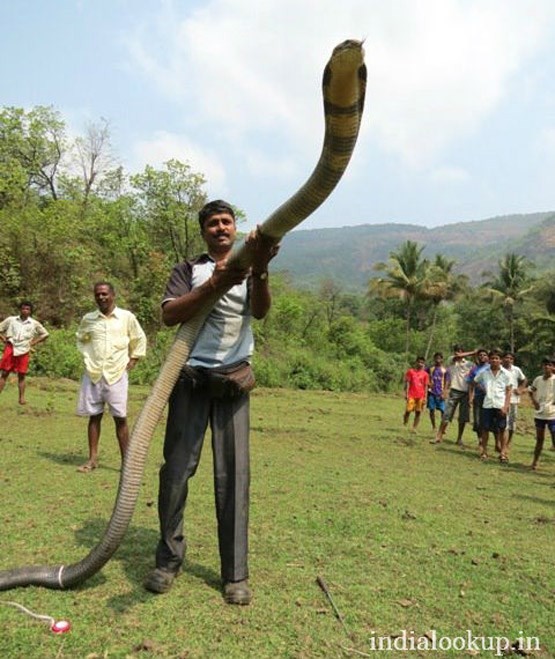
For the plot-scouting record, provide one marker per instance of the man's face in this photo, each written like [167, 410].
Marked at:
[419, 364]
[104, 298]
[438, 360]
[219, 232]
[483, 357]
[495, 362]
[24, 311]
[548, 369]
[508, 361]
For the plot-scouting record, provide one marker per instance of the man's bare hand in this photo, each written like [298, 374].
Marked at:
[225, 277]
[262, 248]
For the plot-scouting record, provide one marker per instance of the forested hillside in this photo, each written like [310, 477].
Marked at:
[348, 254]
[351, 306]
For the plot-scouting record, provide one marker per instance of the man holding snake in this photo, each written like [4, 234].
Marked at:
[213, 387]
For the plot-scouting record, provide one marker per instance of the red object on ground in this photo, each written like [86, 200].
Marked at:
[60, 627]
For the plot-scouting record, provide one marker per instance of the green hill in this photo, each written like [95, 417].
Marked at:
[348, 254]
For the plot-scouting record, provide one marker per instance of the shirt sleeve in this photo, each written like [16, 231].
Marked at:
[40, 330]
[4, 325]
[80, 335]
[137, 338]
[179, 283]
[534, 386]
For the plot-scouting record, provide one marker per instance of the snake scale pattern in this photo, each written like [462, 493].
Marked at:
[344, 85]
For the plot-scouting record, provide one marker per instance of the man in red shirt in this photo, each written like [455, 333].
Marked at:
[416, 387]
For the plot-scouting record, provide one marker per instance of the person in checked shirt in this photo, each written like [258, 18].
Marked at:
[111, 341]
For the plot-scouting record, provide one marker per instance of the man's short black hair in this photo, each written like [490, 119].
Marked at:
[26, 303]
[438, 354]
[213, 207]
[457, 347]
[494, 352]
[508, 353]
[105, 283]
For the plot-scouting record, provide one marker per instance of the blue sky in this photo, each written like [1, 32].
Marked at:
[460, 113]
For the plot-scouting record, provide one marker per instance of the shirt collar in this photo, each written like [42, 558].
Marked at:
[203, 258]
[115, 313]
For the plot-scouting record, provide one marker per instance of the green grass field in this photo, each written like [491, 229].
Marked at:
[408, 536]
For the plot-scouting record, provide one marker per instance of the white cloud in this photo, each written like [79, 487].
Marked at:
[449, 175]
[437, 68]
[448, 70]
[263, 165]
[164, 146]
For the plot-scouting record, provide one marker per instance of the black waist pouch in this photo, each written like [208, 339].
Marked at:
[223, 382]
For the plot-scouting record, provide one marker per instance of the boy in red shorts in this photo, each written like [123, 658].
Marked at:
[19, 334]
[416, 387]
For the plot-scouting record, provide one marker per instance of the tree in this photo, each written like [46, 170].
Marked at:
[407, 276]
[330, 296]
[540, 320]
[511, 287]
[93, 154]
[169, 200]
[33, 143]
[443, 285]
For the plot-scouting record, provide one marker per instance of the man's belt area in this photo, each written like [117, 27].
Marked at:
[221, 382]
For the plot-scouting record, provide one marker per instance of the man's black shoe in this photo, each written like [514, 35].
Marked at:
[237, 592]
[159, 580]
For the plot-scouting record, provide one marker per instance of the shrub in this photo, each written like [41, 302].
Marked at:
[58, 356]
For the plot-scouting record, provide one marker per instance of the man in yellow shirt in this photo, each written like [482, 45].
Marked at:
[111, 341]
[19, 334]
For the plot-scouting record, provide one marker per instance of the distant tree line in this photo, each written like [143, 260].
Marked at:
[70, 215]
[513, 309]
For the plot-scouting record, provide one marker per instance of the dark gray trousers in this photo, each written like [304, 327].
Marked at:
[191, 407]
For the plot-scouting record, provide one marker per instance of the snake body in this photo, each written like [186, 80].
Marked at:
[344, 85]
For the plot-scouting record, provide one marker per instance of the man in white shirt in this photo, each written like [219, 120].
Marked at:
[542, 394]
[19, 334]
[519, 382]
[496, 383]
[111, 341]
[457, 395]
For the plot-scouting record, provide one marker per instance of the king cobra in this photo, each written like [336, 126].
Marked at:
[344, 85]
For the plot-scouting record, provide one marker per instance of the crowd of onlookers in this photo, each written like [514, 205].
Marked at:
[490, 385]
[484, 385]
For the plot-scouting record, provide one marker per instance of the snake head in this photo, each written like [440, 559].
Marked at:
[345, 65]
[351, 46]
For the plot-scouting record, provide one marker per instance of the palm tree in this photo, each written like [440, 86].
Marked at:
[443, 285]
[545, 291]
[511, 286]
[406, 275]
[542, 318]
